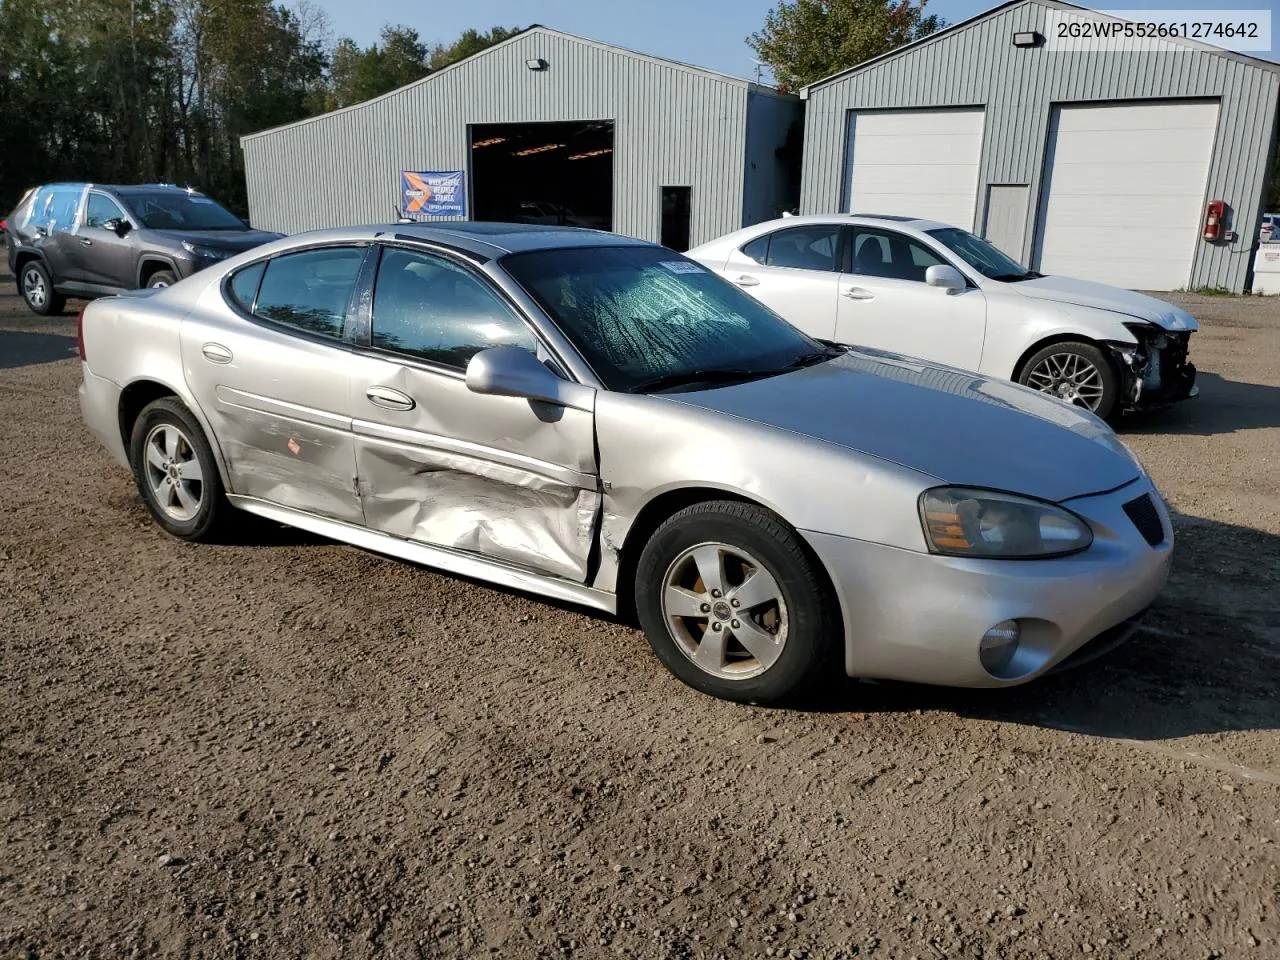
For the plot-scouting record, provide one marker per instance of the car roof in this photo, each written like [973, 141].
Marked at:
[495, 239]
[866, 219]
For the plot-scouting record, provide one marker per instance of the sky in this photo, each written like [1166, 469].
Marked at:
[707, 33]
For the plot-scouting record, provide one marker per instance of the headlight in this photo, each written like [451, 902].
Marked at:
[960, 522]
[209, 253]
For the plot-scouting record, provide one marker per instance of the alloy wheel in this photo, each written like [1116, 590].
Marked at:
[33, 288]
[174, 475]
[725, 611]
[1069, 377]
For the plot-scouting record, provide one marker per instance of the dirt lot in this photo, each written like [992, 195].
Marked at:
[289, 748]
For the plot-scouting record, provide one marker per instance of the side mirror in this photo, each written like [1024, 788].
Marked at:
[945, 276]
[117, 226]
[510, 371]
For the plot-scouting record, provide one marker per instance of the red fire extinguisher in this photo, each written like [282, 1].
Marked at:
[1214, 213]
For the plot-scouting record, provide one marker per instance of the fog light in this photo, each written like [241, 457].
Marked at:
[998, 645]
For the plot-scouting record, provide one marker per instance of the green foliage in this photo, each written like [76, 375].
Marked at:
[129, 91]
[401, 57]
[804, 41]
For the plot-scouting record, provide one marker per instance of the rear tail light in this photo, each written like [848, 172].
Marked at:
[4, 225]
[80, 335]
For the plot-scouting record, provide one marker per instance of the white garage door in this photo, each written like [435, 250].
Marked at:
[1124, 192]
[916, 163]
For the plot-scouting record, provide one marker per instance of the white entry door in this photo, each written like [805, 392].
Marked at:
[915, 163]
[1124, 191]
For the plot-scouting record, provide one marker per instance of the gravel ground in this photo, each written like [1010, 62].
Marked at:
[289, 748]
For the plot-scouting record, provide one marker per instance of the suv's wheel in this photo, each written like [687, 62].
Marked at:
[734, 604]
[37, 289]
[161, 278]
[175, 471]
[1077, 372]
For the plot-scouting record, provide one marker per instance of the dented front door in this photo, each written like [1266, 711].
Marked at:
[509, 479]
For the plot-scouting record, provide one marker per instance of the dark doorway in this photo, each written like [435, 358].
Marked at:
[675, 217]
[549, 173]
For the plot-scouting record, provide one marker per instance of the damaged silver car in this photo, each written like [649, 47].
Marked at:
[604, 421]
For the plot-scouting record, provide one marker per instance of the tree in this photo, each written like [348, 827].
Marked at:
[398, 59]
[471, 42]
[805, 40]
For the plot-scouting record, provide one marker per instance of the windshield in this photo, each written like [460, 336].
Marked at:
[643, 314]
[180, 211]
[981, 255]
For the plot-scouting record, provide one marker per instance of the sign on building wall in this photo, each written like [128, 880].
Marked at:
[433, 193]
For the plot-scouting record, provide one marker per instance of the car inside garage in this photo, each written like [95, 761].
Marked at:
[546, 173]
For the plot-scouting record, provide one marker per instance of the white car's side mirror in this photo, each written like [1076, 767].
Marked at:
[945, 276]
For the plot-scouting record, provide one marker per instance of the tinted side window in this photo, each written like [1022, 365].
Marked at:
[882, 253]
[806, 248]
[758, 249]
[310, 290]
[99, 209]
[434, 309]
[244, 285]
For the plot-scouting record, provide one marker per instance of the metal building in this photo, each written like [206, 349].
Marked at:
[543, 127]
[1080, 157]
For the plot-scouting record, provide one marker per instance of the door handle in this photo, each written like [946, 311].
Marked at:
[216, 353]
[390, 399]
[859, 293]
[747, 281]
[86, 241]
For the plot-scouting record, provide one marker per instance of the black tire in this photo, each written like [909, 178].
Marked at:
[34, 276]
[209, 518]
[161, 278]
[811, 616]
[1108, 404]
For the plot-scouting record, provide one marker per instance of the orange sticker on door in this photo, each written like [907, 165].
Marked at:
[293, 446]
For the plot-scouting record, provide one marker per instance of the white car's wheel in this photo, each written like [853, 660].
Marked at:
[1077, 372]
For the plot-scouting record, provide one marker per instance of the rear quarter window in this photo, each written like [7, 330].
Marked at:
[244, 285]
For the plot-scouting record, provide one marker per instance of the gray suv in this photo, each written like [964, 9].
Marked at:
[90, 240]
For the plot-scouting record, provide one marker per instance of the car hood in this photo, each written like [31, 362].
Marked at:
[960, 427]
[234, 240]
[1082, 293]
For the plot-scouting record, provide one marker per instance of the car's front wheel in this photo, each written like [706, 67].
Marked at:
[175, 471]
[37, 290]
[735, 605]
[161, 279]
[1077, 372]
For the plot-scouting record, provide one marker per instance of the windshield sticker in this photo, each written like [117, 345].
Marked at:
[680, 266]
[199, 199]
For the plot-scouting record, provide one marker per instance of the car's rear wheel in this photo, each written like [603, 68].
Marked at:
[161, 278]
[735, 605]
[1077, 372]
[37, 290]
[175, 471]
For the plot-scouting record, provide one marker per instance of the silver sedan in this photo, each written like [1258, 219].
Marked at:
[603, 421]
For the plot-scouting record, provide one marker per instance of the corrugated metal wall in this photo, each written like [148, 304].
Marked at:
[978, 65]
[769, 117]
[674, 125]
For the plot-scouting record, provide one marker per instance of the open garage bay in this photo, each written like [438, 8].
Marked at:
[283, 747]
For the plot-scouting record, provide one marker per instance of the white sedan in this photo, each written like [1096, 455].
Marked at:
[929, 290]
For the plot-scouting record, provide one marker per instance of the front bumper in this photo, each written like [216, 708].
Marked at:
[1156, 372]
[919, 617]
